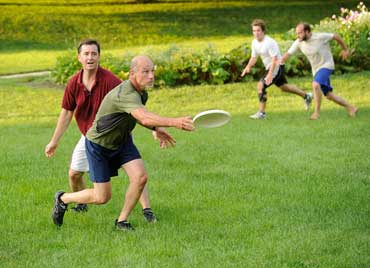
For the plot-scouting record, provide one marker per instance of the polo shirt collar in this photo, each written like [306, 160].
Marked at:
[97, 78]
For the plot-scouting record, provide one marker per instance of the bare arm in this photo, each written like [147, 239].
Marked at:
[284, 58]
[345, 52]
[252, 61]
[151, 120]
[268, 78]
[64, 120]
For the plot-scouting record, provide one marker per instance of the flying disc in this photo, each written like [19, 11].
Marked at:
[211, 118]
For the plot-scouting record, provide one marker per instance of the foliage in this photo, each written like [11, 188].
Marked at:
[174, 66]
[354, 28]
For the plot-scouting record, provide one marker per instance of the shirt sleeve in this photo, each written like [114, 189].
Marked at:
[127, 102]
[325, 37]
[69, 98]
[294, 48]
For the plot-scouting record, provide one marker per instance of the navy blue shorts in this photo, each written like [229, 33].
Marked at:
[322, 77]
[105, 163]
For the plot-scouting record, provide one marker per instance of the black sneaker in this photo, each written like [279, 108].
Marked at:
[59, 209]
[123, 226]
[149, 215]
[80, 208]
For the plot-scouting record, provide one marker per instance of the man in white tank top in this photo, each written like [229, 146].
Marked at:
[265, 47]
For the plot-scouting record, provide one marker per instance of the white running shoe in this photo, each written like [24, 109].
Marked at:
[258, 115]
[307, 101]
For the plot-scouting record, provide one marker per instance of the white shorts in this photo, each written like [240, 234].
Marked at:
[79, 159]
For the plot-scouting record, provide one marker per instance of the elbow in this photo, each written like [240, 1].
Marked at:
[145, 122]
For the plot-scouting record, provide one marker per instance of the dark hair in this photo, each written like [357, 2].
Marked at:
[260, 23]
[88, 42]
[306, 26]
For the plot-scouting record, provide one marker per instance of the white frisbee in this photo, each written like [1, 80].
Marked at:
[211, 118]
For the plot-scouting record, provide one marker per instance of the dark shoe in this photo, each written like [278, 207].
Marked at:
[59, 209]
[80, 208]
[149, 215]
[123, 226]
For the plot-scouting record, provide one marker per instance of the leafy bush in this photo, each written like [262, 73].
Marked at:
[174, 66]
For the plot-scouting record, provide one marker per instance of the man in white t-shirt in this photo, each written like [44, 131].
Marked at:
[316, 47]
[267, 48]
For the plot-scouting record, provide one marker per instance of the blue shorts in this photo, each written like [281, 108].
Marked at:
[322, 77]
[104, 163]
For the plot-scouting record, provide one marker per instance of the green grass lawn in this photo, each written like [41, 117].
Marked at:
[34, 33]
[283, 192]
[37, 60]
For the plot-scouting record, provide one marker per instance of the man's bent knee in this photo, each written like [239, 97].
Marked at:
[102, 192]
[316, 86]
[284, 87]
[140, 180]
[102, 198]
[75, 175]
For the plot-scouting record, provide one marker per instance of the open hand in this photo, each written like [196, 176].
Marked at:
[165, 139]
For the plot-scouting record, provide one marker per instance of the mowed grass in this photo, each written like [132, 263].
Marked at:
[39, 60]
[283, 192]
[34, 33]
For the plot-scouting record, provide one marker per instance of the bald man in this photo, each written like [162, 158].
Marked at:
[109, 143]
[316, 47]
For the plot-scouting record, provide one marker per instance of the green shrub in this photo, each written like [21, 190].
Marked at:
[174, 66]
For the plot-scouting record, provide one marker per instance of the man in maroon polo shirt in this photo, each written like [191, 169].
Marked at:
[82, 97]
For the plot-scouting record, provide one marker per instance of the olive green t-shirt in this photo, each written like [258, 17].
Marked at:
[113, 123]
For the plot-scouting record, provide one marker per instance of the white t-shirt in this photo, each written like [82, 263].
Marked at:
[266, 49]
[317, 50]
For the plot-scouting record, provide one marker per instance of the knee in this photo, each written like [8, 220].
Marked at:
[75, 176]
[329, 96]
[140, 180]
[315, 86]
[103, 198]
[284, 87]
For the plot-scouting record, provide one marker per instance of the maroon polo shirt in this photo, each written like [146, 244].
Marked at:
[84, 103]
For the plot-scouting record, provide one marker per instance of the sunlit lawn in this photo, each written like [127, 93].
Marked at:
[283, 192]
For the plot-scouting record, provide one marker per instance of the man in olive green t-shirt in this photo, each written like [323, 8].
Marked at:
[109, 144]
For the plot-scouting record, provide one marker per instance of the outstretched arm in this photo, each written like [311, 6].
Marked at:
[151, 120]
[345, 52]
[284, 58]
[268, 78]
[252, 61]
[64, 120]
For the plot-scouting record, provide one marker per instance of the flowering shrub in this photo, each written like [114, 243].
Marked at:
[354, 27]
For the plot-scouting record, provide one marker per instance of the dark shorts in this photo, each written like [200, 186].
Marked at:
[322, 77]
[105, 163]
[278, 80]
